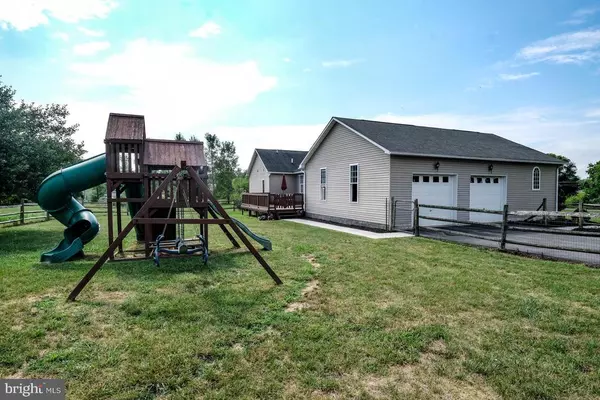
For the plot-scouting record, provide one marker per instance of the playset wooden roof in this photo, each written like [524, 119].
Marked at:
[125, 127]
[167, 153]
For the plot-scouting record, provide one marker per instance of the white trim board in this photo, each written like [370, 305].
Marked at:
[352, 231]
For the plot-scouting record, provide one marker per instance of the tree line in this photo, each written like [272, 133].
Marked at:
[225, 179]
[36, 140]
[572, 189]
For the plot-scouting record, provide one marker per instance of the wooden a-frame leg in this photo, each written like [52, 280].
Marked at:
[233, 226]
[141, 212]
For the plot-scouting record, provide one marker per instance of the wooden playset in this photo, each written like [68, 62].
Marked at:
[161, 181]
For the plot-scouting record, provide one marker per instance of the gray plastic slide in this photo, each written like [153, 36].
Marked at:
[263, 241]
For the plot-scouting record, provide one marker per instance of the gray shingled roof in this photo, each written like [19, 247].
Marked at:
[281, 160]
[425, 141]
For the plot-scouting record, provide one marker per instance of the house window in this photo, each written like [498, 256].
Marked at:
[425, 179]
[354, 183]
[323, 184]
[535, 179]
[301, 183]
[262, 181]
[436, 179]
[416, 178]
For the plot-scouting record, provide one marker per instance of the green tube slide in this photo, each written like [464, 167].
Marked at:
[263, 241]
[55, 195]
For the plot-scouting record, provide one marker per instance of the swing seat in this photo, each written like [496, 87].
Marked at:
[180, 248]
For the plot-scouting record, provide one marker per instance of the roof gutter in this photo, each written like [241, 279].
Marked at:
[478, 158]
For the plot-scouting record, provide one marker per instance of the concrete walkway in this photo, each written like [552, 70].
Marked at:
[352, 231]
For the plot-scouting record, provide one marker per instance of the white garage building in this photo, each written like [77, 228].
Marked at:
[367, 173]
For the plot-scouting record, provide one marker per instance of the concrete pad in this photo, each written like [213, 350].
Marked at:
[352, 231]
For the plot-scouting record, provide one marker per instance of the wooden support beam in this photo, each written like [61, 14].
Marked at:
[119, 219]
[128, 200]
[456, 221]
[109, 211]
[142, 220]
[480, 210]
[504, 227]
[104, 257]
[207, 193]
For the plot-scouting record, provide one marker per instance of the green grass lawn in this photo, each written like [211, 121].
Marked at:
[355, 318]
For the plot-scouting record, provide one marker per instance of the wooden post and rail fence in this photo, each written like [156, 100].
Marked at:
[505, 226]
[29, 212]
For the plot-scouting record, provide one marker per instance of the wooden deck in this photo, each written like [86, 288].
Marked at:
[279, 205]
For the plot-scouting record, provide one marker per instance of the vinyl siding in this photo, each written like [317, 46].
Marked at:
[520, 195]
[258, 172]
[290, 180]
[341, 148]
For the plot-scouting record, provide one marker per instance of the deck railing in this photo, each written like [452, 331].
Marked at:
[265, 202]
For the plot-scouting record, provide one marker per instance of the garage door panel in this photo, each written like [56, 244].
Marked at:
[435, 190]
[487, 192]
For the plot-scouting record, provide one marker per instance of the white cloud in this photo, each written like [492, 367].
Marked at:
[206, 30]
[26, 14]
[517, 77]
[287, 60]
[549, 130]
[90, 48]
[593, 113]
[567, 48]
[90, 32]
[169, 83]
[61, 35]
[340, 63]
[581, 16]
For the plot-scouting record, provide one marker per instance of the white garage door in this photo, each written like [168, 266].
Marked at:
[487, 192]
[435, 190]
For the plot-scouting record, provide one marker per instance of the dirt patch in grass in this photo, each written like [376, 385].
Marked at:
[115, 297]
[238, 347]
[19, 374]
[421, 381]
[312, 260]
[306, 293]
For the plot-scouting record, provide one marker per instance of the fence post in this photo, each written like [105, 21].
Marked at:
[416, 219]
[504, 227]
[580, 214]
[544, 208]
[22, 213]
[47, 216]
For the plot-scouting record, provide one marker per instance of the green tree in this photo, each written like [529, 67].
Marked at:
[591, 185]
[568, 181]
[240, 184]
[179, 136]
[212, 145]
[193, 138]
[225, 165]
[35, 140]
[96, 193]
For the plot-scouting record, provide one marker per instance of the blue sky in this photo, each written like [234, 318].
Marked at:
[271, 73]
